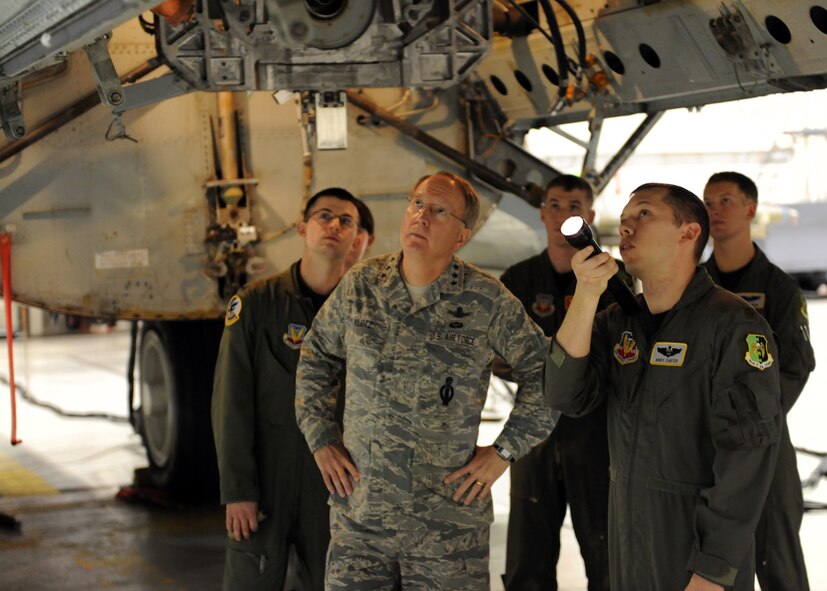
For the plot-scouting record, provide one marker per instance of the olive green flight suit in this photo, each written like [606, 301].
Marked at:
[694, 417]
[262, 455]
[779, 560]
[570, 468]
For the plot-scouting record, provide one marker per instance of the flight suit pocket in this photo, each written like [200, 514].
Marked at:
[744, 419]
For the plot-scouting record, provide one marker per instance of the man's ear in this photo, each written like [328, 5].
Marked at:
[301, 228]
[464, 237]
[371, 240]
[691, 231]
[752, 206]
[589, 216]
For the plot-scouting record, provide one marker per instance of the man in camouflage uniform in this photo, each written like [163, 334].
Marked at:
[738, 265]
[417, 332]
[571, 467]
[693, 396]
[274, 495]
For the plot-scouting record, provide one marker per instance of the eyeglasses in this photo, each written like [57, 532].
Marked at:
[437, 212]
[325, 216]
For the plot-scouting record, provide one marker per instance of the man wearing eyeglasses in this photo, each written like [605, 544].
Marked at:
[417, 332]
[272, 490]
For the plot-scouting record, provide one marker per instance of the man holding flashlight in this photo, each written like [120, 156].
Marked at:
[693, 398]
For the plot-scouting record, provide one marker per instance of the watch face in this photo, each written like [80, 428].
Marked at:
[504, 453]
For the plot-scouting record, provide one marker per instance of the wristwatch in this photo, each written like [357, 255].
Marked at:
[504, 453]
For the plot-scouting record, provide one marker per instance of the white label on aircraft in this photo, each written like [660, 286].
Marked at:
[122, 259]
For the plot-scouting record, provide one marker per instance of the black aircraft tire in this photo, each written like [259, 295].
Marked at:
[177, 360]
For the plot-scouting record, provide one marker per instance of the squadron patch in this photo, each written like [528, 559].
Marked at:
[233, 311]
[626, 350]
[758, 352]
[543, 305]
[754, 299]
[669, 354]
[294, 337]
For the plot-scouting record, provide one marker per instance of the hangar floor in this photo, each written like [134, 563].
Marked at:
[60, 484]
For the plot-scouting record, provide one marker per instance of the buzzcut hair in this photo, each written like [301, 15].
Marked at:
[744, 183]
[569, 182]
[336, 193]
[686, 208]
[472, 200]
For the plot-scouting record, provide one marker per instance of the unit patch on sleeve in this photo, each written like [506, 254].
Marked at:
[671, 354]
[758, 352]
[626, 350]
[543, 305]
[233, 311]
[294, 337]
[754, 299]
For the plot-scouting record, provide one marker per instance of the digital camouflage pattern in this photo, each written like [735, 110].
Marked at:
[438, 558]
[403, 360]
[690, 444]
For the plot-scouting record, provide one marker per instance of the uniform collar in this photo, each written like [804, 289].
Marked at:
[451, 281]
[759, 259]
[292, 286]
[700, 284]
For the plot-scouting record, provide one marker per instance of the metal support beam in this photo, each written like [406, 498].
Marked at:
[602, 179]
[483, 173]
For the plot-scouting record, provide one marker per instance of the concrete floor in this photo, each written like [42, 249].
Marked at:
[60, 484]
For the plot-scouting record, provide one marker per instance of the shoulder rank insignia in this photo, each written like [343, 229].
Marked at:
[626, 350]
[669, 354]
[294, 337]
[758, 353]
[543, 305]
[233, 311]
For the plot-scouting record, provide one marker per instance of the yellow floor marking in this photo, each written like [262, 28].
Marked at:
[17, 481]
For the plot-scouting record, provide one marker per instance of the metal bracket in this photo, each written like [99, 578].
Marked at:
[734, 34]
[106, 77]
[152, 91]
[10, 115]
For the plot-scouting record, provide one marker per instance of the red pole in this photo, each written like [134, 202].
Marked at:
[5, 261]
